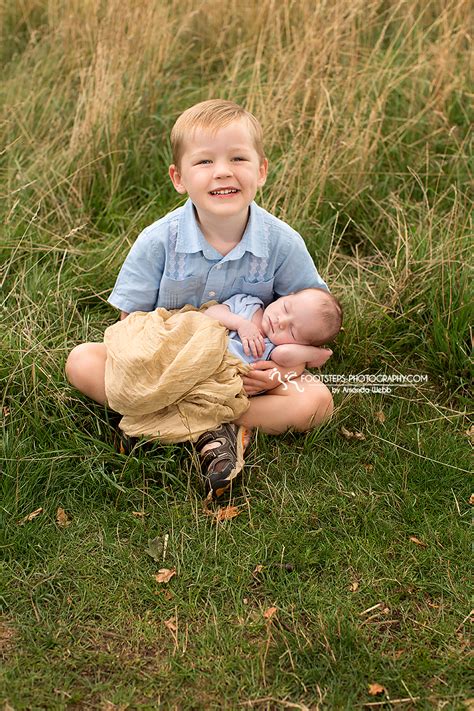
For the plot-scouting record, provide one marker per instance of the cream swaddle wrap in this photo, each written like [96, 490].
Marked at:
[170, 375]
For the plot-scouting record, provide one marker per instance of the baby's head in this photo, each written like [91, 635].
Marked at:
[211, 116]
[311, 317]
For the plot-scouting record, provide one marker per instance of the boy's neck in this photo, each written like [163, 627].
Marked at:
[222, 233]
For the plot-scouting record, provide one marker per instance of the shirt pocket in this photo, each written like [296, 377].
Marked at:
[176, 293]
[262, 289]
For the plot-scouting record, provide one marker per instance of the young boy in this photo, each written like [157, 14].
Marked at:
[220, 243]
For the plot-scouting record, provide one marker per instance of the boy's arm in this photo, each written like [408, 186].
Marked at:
[138, 283]
[297, 270]
[262, 378]
[292, 354]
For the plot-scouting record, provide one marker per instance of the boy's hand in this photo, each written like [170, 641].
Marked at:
[261, 378]
[252, 339]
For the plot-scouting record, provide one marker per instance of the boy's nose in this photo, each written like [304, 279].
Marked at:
[222, 169]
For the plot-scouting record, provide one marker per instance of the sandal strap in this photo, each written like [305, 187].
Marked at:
[222, 432]
[229, 449]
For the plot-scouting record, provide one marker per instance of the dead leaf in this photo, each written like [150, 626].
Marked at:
[138, 514]
[376, 689]
[31, 516]
[258, 569]
[164, 575]
[6, 411]
[223, 514]
[470, 433]
[417, 542]
[369, 467]
[354, 586]
[471, 499]
[380, 416]
[347, 434]
[245, 601]
[171, 624]
[155, 548]
[62, 519]
[268, 614]
[469, 704]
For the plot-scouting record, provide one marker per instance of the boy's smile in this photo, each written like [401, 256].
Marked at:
[221, 172]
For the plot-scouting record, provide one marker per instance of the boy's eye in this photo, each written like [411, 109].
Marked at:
[284, 307]
[238, 158]
[203, 161]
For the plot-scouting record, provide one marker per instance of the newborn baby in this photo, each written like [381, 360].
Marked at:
[289, 331]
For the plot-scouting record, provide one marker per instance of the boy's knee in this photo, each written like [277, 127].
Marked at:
[78, 363]
[317, 408]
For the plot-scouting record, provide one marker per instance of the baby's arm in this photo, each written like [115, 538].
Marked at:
[249, 332]
[291, 355]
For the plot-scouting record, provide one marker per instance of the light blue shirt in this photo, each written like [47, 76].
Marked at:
[171, 264]
[245, 306]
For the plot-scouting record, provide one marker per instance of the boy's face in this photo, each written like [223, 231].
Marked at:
[221, 172]
[292, 319]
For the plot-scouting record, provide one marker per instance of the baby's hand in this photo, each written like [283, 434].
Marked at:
[252, 339]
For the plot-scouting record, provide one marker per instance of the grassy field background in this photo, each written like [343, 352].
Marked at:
[361, 545]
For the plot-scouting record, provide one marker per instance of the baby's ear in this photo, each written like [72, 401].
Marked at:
[323, 355]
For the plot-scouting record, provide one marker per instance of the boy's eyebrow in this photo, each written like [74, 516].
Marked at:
[231, 148]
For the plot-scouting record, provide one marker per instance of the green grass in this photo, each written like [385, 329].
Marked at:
[318, 513]
[367, 130]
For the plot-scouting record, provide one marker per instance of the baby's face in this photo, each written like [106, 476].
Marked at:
[291, 319]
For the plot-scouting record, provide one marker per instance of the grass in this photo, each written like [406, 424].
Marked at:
[361, 545]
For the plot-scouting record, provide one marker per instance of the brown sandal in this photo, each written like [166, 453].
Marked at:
[221, 463]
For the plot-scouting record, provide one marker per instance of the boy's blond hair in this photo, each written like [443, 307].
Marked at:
[213, 115]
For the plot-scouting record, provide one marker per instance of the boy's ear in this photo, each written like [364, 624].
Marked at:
[262, 173]
[175, 176]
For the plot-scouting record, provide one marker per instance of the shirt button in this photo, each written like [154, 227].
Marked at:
[212, 293]
[218, 266]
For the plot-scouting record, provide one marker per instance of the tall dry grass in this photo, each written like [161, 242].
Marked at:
[364, 107]
[89, 75]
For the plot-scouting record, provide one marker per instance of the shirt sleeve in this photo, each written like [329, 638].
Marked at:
[297, 270]
[244, 305]
[138, 282]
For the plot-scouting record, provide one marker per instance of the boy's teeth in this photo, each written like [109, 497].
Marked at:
[222, 192]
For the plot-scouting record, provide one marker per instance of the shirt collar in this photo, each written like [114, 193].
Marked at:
[190, 238]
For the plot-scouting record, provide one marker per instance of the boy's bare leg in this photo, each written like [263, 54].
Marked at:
[286, 407]
[85, 370]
